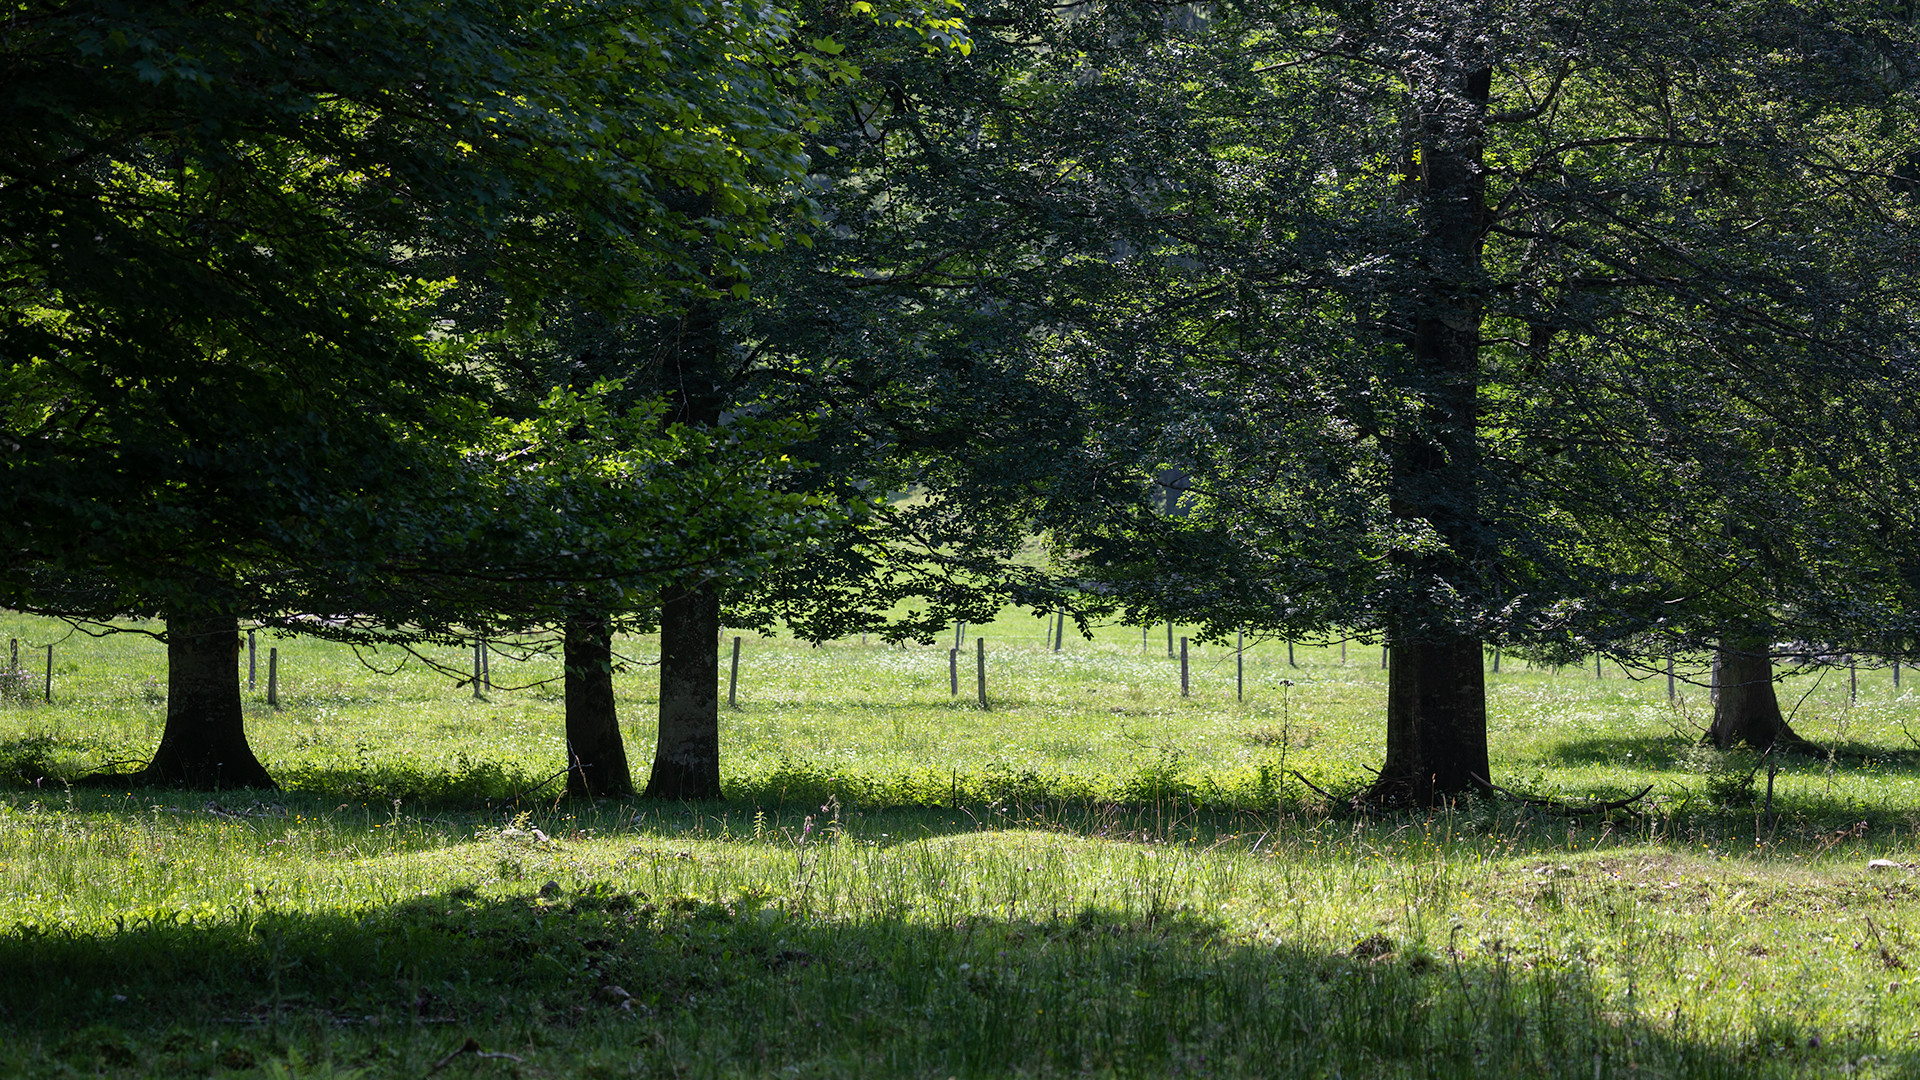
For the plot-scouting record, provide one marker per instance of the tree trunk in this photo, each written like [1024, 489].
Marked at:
[596, 756]
[1436, 685]
[1436, 721]
[686, 764]
[204, 744]
[1747, 710]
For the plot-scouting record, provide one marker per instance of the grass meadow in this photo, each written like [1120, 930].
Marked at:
[1094, 876]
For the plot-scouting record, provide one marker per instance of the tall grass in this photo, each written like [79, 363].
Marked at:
[1093, 877]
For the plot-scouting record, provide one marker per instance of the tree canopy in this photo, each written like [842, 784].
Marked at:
[252, 252]
[1449, 324]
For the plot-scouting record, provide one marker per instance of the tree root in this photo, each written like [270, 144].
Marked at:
[1605, 806]
[1355, 800]
[1364, 799]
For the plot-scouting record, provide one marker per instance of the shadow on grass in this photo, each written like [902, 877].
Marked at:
[1636, 751]
[1899, 759]
[1668, 751]
[1160, 803]
[601, 981]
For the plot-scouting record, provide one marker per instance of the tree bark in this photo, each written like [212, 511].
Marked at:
[686, 764]
[686, 761]
[596, 755]
[1747, 710]
[1436, 721]
[1436, 685]
[204, 744]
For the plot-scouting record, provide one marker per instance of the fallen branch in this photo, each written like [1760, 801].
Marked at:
[1565, 808]
[524, 792]
[1351, 799]
[472, 1046]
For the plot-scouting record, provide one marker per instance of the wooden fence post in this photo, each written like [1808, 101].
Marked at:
[1183, 667]
[953, 671]
[476, 671]
[49, 673]
[733, 674]
[252, 657]
[273, 676]
[980, 668]
[1240, 665]
[1169, 639]
[486, 665]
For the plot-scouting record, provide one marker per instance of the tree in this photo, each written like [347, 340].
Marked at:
[1441, 298]
[227, 312]
[718, 353]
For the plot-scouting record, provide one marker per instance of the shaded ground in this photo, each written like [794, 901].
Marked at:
[602, 981]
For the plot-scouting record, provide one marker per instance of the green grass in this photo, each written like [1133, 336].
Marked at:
[1095, 876]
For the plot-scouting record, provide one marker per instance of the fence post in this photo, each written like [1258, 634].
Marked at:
[49, 673]
[980, 668]
[953, 671]
[1596, 667]
[1669, 674]
[1853, 679]
[1496, 659]
[252, 656]
[486, 665]
[476, 671]
[1169, 639]
[1290, 662]
[1896, 673]
[13, 664]
[1383, 658]
[733, 674]
[1239, 665]
[1183, 667]
[273, 676]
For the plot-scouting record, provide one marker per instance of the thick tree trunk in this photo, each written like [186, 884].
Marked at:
[596, 756]
[204, 744]
[1436, 686]
[686, 764]
[1436, 721]
[1747, 710]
